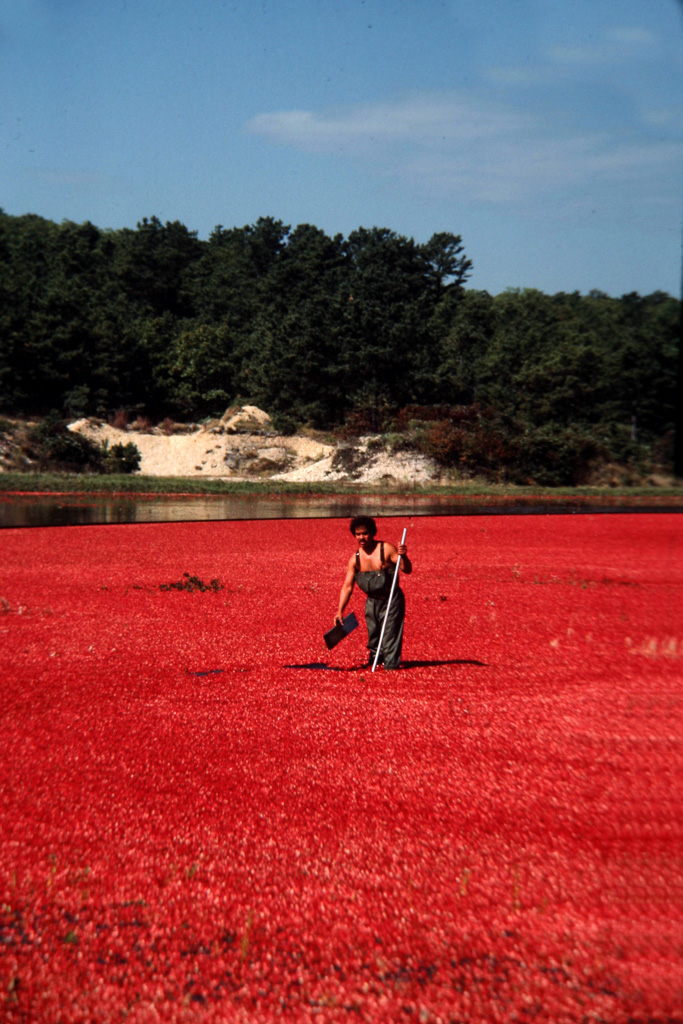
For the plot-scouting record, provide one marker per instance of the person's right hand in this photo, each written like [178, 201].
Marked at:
[338, 620]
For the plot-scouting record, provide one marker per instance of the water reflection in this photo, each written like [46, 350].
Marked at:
[21, 510]
[80, 510]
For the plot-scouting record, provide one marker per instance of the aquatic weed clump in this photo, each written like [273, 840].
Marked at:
[193, 583]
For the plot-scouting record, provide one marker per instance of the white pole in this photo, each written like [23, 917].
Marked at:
[391, 594]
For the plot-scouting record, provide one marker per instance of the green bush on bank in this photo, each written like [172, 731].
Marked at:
[479, 442]
[121, 458]
[54, 447]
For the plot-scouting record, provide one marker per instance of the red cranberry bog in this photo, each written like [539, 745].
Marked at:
[207, 816]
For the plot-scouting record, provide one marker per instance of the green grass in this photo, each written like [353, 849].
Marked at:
[72, 483]
[75, 483]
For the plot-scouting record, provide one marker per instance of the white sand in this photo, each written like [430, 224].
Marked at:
[209, 452]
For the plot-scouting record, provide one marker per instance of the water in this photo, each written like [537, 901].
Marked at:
[26, 510]
[82, 510]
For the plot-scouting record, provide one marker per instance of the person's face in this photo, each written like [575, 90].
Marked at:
[363, 538]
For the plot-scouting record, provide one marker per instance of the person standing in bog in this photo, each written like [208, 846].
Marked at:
[373, 567]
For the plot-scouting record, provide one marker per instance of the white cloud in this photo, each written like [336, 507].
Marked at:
[418, 120]
[631, 38]
[576, 54]
[615, 45]
[663, 116]
[612, 48]
[454, 146]
[527, 74]
[65, 180]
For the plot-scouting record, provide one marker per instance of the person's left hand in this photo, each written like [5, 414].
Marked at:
[402, 550]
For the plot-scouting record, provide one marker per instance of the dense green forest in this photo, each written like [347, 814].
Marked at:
[369, 332]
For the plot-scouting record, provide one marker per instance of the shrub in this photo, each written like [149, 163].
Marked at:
[398, 442]
[411, 416]
[371, 413]
[121, 458]
[284, 424]
[56, 447]
[143, 424]
[553, 457]
[120, 420]
[663, 451]
[76, 402]
[471, 440]
[482, 442]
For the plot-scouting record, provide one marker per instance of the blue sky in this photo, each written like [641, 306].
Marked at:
[549, 134]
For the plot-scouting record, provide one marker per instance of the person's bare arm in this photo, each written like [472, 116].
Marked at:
[347, 588]
[402, 550]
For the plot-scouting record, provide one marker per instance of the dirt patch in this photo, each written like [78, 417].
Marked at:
[209, 451]
[369, 461]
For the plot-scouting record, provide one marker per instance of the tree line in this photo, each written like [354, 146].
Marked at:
[369, 332]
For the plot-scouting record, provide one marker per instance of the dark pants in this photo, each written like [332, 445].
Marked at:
[392, 641]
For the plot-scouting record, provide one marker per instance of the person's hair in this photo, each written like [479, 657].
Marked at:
[367, 521]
